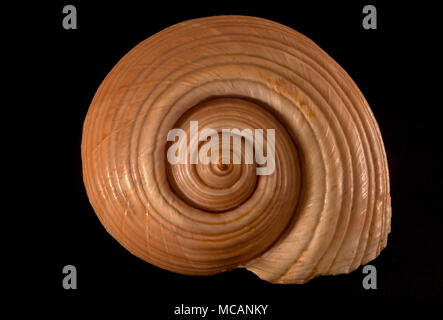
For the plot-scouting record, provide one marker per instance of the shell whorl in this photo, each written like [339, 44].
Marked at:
[324, 210]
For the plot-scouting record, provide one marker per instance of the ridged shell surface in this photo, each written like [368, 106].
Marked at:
[325, 209]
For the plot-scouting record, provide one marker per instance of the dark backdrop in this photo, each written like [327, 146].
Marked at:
[388, 66]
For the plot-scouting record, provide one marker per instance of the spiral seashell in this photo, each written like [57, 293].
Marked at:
[324, 209]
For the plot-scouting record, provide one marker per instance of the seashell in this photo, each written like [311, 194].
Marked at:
[325, 209]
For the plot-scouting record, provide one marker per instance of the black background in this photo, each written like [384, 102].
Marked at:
[388, 66]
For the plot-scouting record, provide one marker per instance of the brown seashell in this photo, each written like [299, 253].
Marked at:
[324, 210]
